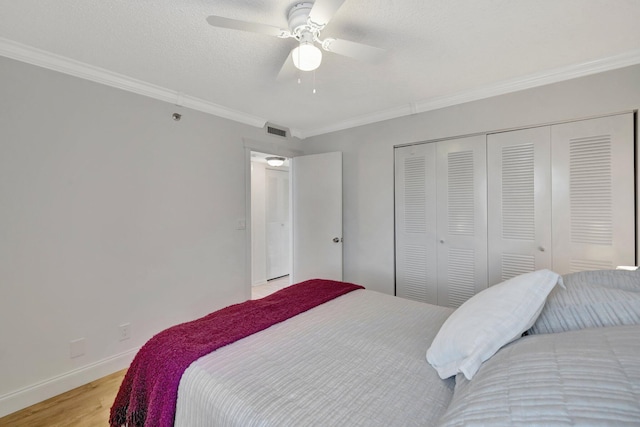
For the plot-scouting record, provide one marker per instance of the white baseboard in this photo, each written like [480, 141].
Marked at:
[27, 396]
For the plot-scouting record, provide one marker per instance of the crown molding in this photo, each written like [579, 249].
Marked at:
[51, 61]
[533, 80]
[508, 86]
[365, 119]
[41, 58]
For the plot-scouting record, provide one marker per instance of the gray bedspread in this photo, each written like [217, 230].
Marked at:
[359, 360]
[589, 377]
[592, 299]
[355, 361]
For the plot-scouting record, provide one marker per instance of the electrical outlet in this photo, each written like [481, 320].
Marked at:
[76, 348]
[125, 331]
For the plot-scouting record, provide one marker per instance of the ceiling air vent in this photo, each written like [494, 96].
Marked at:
[277, 130]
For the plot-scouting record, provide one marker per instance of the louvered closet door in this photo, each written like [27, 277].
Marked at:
[593, 194]
[461, 219]
[415, 194]
[519, 202]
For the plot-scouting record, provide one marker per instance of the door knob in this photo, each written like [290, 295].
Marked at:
[541, 248]
[336, 240]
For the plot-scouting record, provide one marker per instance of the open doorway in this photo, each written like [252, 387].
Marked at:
[270, 224]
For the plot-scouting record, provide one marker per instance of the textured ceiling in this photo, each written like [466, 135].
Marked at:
[435, 49]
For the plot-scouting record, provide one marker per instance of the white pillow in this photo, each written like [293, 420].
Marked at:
[489, 320]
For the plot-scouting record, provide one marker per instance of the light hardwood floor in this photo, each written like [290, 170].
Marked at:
[89, 405]
[85, 406]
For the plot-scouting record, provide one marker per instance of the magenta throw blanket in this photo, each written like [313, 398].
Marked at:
[147, 396]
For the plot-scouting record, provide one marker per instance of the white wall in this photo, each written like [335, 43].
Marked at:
[110, 212]
[368, 155]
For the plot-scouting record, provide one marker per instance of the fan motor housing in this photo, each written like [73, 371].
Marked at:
[298, 16]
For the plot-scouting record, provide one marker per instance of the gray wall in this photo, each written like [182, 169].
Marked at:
[110, 212]
[368, 154]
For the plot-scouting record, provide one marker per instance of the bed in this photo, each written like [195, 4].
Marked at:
[538, 349]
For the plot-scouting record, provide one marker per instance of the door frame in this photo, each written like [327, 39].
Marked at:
[270, 147]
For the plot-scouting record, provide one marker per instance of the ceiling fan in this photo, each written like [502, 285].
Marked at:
[306, 22]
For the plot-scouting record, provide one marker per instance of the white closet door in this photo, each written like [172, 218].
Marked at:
[277, 223]
[593, 194]
[415, 182]
[461, 219]
[519, 202]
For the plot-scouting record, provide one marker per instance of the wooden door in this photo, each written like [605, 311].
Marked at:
[317, 216]
[277, 223]
[461, 218]
[593, 194]
[415, 225]
[519, 202]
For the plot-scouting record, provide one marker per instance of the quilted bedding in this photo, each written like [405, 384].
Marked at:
[355, 361]
[586, 377]
[358, 360]
[147, 395]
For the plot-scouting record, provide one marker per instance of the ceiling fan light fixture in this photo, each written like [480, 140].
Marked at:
[275, 161]
[307, 56]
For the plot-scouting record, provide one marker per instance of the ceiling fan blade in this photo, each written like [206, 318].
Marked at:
[355, 50]
[288, 72]
[323, 11]
[219, 21]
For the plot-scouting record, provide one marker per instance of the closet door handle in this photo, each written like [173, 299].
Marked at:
[541, 248]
